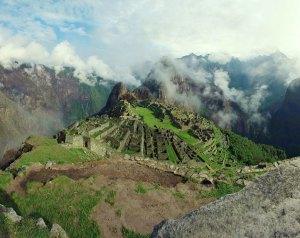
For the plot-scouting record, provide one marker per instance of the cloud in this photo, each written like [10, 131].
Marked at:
[130, 31]
[73, 29]
[94, 64]
[225, 119]
[124, 33]
[278, 65]
[25, 53]
[220, 57]
[250, 104]
[62, 55]
[212, 87]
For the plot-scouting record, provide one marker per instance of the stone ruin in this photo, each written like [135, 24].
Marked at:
[130, 136]
[203, 134]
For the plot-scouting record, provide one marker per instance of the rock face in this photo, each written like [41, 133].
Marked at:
[285, 126]
[116, 93]
[269, 207]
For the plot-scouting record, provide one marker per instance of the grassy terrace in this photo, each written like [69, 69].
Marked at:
[149, 118]
[46, 149]
[5, 178]
[171, 154]
[224, 154]
[63, 201]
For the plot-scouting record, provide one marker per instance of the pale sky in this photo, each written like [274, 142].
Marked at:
[110, 36]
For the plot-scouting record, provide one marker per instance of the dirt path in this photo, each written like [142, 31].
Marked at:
[112, 169]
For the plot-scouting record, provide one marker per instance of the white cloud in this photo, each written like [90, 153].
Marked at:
[225, 119]
[125, 32]
[250, 104]
[220, 57]
[96, 65]
[32, 52]
[63, 54]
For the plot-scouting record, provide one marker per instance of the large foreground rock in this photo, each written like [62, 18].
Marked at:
[269, 207]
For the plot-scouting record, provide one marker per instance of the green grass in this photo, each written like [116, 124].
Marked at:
[55, 153]
[140, 188]
[63, 201]
[40, 141]
[178, 194]
[150, 120]
[250, 153]
[171, 154]
[5, 178]
[132, 234]
[110, 197]
[221, 189]
[26, 228]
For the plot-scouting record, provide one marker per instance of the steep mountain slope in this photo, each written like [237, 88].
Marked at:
[285, 123]
[37, 100]
[163, 131]
[236, 94]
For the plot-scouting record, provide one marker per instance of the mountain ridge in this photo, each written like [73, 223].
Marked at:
[45, 100]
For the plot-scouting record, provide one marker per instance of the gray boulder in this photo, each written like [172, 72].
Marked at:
[57, 232]
[10, 214]
[269, 207]
[41, 223]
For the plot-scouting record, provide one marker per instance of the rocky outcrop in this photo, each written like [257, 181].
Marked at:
[10, 214]
[269, 207]
[115, 96]
[13, 154]
[41, 223]
[120, 97]
[117, 92]
[57, 232]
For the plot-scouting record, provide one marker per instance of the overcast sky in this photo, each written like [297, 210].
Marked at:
[111, 35]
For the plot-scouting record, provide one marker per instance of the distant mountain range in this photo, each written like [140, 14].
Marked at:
[37, 100]
[248, 97]
[252, 97]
